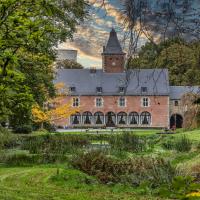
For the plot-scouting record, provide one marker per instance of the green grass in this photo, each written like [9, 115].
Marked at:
[42, 182]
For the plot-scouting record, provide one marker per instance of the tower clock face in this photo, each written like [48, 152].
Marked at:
[113, 63]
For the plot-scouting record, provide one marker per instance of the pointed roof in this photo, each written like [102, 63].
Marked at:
[113, 46]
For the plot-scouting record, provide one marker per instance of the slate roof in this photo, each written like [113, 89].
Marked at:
[176, 92]
[156, 81]
[113, 46]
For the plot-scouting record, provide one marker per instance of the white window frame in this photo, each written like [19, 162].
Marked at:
[74, 104]
[119, 102]
[102, 102]
[145, 102]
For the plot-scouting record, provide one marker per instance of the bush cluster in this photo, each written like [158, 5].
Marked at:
[55, 144]
[155, 171]
[128, 142]
[182, 144]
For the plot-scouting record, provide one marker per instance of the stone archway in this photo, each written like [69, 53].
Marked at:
[176, 121]
[110, 119]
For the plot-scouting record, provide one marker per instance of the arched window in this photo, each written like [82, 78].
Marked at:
[76, 118]
[133, 118]
[122, 118]
[99, 118]
[145, 118]
[110, 119]
[87, 117]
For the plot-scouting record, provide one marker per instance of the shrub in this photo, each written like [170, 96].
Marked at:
[58, 143]
[133, 171]
[182, 144]
[7, 139]
[25, 129]
[128, 142]
[19, 159]
[168, 144]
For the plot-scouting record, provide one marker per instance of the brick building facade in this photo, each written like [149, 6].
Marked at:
[115, 97]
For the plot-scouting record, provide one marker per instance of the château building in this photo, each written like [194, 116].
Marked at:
[116, 97]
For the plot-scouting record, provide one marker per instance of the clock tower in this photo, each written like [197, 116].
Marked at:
[113, 57]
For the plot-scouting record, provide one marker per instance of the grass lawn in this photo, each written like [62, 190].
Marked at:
[42, 182]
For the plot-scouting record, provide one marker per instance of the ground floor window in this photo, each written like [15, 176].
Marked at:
[134, 118]
[76, 118]
[145, 118]
[110, 119]
[122, 118]
[87, 118]
[99, 118]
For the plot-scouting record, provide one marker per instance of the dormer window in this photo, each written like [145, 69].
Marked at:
[144, 89]
[99, 89]
[121, 89]
[72, 89]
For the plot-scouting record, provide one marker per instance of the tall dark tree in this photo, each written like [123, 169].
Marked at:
[29, 32]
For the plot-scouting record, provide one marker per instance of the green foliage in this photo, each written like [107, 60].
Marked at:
[29, 32]
[54, 144]
[7, 139]
[68, 64]
[179, 188]
[181, 144]
[23, 129]
[132, 171]
[25, 159]
[127, 141]
[180, 58]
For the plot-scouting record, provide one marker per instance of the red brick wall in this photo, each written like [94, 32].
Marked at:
[159, 107]
[109, 59]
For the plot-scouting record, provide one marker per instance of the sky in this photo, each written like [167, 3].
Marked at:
[93, 34]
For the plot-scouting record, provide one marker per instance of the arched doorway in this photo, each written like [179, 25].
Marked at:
[133, 118]
[176, 121]
[110, 119]
[122, 118]
[76, 119]
[98, 118]
[87, 117]
[145, 118]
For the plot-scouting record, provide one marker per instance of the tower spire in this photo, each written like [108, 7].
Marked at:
[113, 56]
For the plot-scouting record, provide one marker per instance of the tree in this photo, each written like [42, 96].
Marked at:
[55, 109]
[179, 57]
[68, 64]
[29, 32]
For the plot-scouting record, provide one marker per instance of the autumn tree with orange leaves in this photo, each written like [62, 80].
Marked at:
[55, 109]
